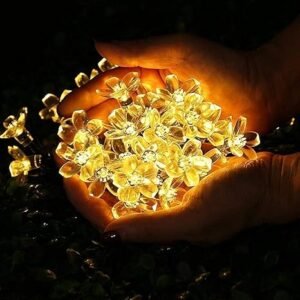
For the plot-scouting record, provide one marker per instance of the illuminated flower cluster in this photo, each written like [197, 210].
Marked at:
[154, 147]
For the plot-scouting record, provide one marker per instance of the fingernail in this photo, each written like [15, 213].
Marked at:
[111, 237]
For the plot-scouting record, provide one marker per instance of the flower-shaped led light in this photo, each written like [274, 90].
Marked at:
[188, 163]
[163, 127]
[240, 143]
[134, 179]
[79, 160]
[51, 102]
[125, 123]
[15, 128]
[170, 193]
[104, 65]
[22, 164]
[155, 146]
[79, 130]
[176, 92]
[121, 89]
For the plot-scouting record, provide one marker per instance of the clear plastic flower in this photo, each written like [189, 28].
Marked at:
[163, 127]
[22, 163]
[100, 173]
[79, 160]
[80, 130]
[241, 143]
[126, 123]
[189, 163]
[155, 152]
[15, 128]
[170, 193]
[121, 89]
[175, 93]
[203, 122]
[135, 179]
[51, 102]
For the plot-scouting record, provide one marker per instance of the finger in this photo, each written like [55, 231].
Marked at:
[161, 226]
[103, 110]
[155, 53]
[86, 97]
[96, 210]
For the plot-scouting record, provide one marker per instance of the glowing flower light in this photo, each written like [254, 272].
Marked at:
[15, 128]
[22, 164]
[51, 102]
[151, 153]
[156, 145]
[153, 148]
[122, 89]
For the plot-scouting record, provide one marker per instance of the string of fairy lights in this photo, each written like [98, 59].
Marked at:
[157, 144]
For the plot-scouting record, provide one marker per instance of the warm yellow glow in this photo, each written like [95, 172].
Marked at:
[51, 102]
[151, 152]
[15, 128]
[22, 164]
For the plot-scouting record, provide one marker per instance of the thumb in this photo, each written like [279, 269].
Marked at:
[162, 226]
[155, 53]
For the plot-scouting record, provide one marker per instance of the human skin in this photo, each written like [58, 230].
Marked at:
[261, 85]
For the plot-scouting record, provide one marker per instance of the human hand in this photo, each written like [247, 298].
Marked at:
[242, 83]
[238, 196]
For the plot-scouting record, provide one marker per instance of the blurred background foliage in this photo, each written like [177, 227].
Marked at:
[47, 251]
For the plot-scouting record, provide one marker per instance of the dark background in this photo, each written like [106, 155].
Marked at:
[46, 249]
[44, 45]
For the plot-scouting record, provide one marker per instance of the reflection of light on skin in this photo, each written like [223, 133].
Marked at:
[152, 143]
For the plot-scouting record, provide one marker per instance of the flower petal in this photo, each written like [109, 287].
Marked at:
[191, 177]
[213, 154]
[129, 194]
[69, 169]
[132, 81]
[192, 147]
[176, 133]
[149, 135]
[149, 190]
[64, 151]
[236, 151]
[50, 100]
[240, 125]
[252, 138]
[120, 179]
[81, 79]
[96, 188]
[130, 163]
[173, 170]
[95, 126]
[172, 83]
[217, 139]
[147, 170]
[79, 119]
[118, 118]
[66, 132]
[191, 86]
[249, 153]
[164, 94]
[202, 164]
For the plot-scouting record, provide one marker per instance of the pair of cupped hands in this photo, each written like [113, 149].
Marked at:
[240, 195]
